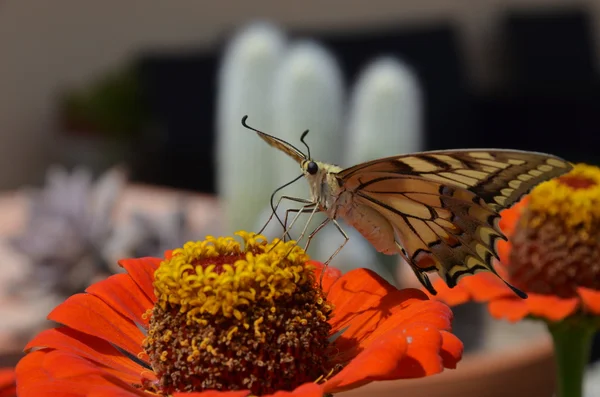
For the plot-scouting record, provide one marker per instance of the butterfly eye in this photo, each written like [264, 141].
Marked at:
[312, 168]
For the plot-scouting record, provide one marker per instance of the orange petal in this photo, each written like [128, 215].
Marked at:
[510, 216]
[423, 355]
[141, 271]
[450, 296]
[503, 248]
[54, 373]
[590, 300]
[452, 349]
[88, 314]
[331, 275]
[508, 220]
[90, 348]
[480, 287]
[368, 308]
[428, 349]
[363, 301]
[7, 382]
[353, 299]
[486, 286]
[551, 307]
[376, 362]
[433, 313]
[510, 309]
[122, 294]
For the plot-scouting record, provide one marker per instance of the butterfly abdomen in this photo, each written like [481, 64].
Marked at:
[369, 223]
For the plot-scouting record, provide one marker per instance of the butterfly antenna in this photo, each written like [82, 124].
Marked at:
[247, 126]
[304, 142]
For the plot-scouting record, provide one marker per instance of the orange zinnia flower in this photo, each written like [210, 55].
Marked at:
[7, 382]
[553, 254]
[216, 317]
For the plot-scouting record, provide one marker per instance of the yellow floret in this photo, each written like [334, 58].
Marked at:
[258, 271]
[575, 206]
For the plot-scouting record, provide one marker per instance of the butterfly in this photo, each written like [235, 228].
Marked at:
[438, 209]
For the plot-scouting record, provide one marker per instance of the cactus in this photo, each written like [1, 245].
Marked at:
[386, 112]
[244, 166]
[309, 95]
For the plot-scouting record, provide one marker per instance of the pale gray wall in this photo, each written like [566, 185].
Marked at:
[45, 45]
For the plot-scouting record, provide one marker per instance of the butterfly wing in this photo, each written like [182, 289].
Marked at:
[499, 177]
[444, 205]
[438, 228]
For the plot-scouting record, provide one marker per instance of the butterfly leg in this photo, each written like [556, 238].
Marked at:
[346, 238]
[306, 209]
[274, 212]
[312, 213]
[314, 232]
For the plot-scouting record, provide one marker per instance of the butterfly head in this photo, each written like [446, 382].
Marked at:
[310, 168]
[320, 176]
[314, 171]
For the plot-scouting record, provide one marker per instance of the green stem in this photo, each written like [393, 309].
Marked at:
[572, 343]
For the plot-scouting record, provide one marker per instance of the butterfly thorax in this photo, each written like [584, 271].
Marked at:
[324, 186]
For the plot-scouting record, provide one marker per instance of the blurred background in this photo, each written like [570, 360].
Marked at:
[519, 74]
[134, 108]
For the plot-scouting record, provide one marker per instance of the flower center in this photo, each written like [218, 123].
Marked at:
[576, 182]
[556, 242]
[233, 318]
[574, 199]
